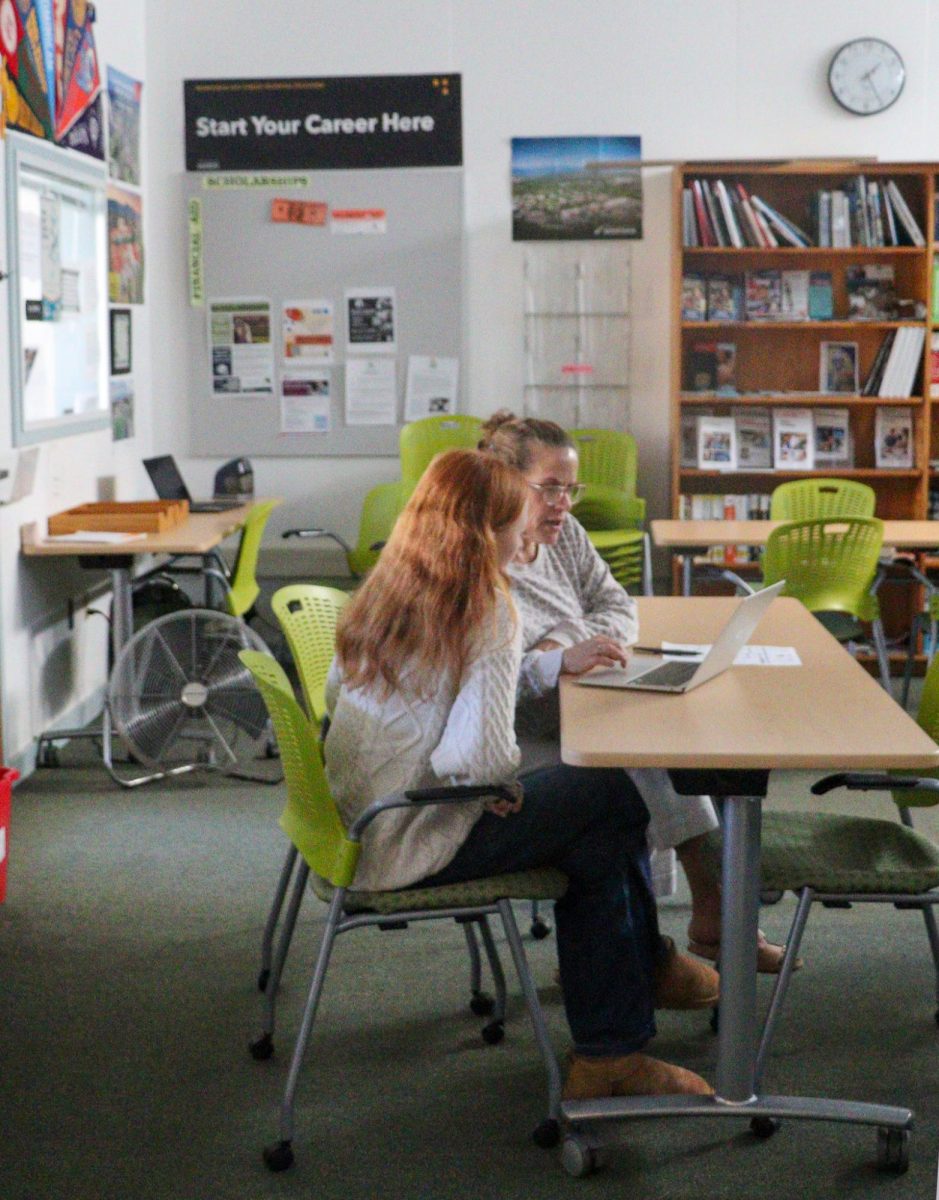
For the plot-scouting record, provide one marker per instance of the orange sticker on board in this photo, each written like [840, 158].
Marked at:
[299, 212]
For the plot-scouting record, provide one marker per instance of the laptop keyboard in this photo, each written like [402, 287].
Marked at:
[671, 674]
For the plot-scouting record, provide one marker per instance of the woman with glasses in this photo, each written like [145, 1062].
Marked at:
[575, 616]
[422, 691]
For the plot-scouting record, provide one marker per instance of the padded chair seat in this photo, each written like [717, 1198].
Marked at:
[545, 884]
[841, 854]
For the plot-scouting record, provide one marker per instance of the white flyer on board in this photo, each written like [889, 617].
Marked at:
[305, 400]
[371, 321]
[431, 386]
[371, 391]
[241, 347]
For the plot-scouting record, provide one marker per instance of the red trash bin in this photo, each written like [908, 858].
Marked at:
[7, 778]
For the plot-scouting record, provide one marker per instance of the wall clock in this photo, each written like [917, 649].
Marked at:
[866, 76]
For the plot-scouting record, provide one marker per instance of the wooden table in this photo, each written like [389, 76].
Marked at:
[827, 714]
[198, 536]
[688, 538]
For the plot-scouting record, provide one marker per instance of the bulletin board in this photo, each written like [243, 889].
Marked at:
[246, 254]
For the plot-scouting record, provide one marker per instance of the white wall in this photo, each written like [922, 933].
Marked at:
[52, 674]
[730, 78]
[735, 78]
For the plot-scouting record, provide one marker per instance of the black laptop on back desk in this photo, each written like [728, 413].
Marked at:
[170, 485]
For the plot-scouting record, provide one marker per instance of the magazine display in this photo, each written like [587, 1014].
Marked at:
[693, 298]
[764, 295]
[833, 437]
[724, 295]
[872, 293]
[689, 434]
[754, 438]
[717, 444]
[821, 296]
[793, 439]
[838, 367]
[795, 296]
[893, 438]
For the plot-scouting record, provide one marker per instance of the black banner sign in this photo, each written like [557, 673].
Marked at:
[323, 124]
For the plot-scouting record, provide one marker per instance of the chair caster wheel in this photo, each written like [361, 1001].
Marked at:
[493, 1033]
[278, 1157]
[482, 1005]
[547, 1135]
[764, 1127]
[262, 1048]
[580, 1157]
[893, 1150]
[540, 929]
[715, 1021]
[263, 976]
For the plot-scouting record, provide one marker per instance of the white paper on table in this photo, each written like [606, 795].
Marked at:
[371, 392]
[102, 537]
[748, 656]
[431, 386]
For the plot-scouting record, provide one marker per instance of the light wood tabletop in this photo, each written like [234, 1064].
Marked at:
[198, 534]
[827, 714]
[695, 535]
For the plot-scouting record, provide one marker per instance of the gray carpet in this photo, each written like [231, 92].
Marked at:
[128, 956]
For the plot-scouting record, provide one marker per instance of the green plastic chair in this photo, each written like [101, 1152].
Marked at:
[803, 499]
[839, 860]
[330, 854]
[830, 564]
[421, 440]
[608, 457]
[380, 510]
[308, 615]
[243, 589]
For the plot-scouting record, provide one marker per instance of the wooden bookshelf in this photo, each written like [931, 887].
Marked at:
[777, 361]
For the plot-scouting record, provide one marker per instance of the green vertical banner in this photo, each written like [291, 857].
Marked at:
[196, 277]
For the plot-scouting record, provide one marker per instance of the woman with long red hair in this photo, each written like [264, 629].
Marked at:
[422, 692]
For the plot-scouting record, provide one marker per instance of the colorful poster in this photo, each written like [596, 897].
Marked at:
[576, 188]
[241, 347]
[124, 95]
[122, 409]
[125, 246]
[370, 316]
[308, 330]
[305, 400]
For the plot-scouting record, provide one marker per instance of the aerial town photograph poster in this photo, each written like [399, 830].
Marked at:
[576, 188]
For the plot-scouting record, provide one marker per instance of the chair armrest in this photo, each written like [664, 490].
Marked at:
[858, 782]
[420, 796]
[318, 533]
[743, 588]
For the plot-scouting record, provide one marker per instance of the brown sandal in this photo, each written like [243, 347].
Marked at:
[769, 956]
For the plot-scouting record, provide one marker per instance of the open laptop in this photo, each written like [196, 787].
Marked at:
[683, 676]
[170, 485]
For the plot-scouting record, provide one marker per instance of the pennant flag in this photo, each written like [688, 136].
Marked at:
[11, 33]
[87, 133]
[44, 13]
[18, 113]
[75, 16]
[58, 21]
[31, 73]
[83, 85]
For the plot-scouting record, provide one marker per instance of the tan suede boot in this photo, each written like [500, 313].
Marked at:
[630, 1075]
[684, 983]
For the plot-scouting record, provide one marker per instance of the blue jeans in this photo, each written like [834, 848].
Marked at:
[590, 824]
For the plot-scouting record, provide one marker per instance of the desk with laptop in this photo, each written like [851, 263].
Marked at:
[827, 714]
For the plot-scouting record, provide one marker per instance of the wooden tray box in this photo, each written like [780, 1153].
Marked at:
[119, 516]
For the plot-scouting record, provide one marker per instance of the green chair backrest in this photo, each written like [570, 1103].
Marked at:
[602, 507]
[379, 512]
[803, 499]
[244, 590]
[828, 563]
[421, 440]
[608, 457]
[310, 818]
[308, 616]
[928, 719]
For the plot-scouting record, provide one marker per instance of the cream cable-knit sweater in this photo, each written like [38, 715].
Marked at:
[461, 734]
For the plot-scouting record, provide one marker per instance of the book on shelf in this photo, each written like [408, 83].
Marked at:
[726, 507]
[720, 234]
[838, 367]
[725, 367]
[872, 293]
[763, 295]
[833, 445]
[865, 212]
[903, 216]
[727, 212]
[754, 438]
[689, 226]
[724, 298]
[717, 444]
[934, 363]
[793, 439]
[794, 296]
[893, 439]
[876, 373]
[935, 288]
[689, 434]
[759, 235]
[693, 297]
[782, 226]
[821, 296]
[903, 362]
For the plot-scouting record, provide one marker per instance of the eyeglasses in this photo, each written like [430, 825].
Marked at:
[554, 493]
